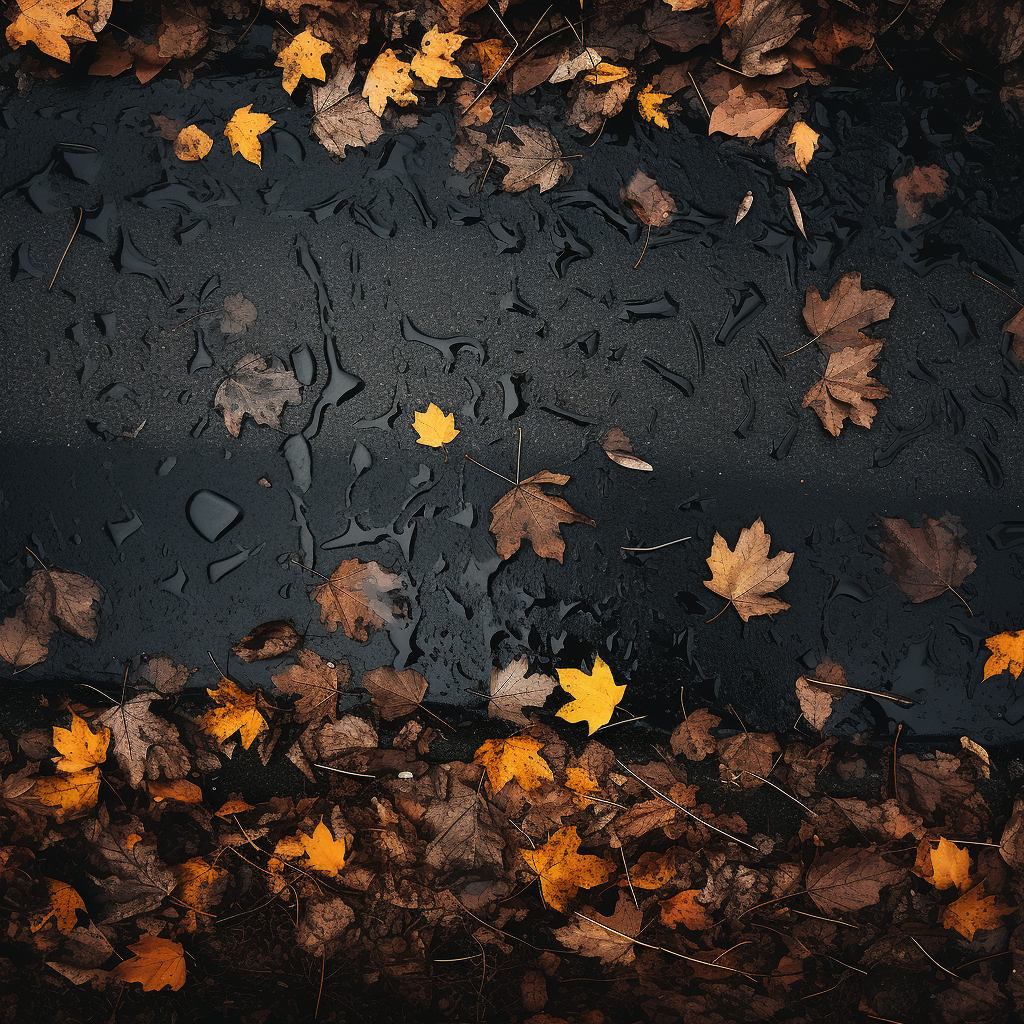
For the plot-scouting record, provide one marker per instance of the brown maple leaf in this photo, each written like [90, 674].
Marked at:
[746, 756]
[746, 113]
[883, 821]
[183, 31]
[651, 203]
[762, 27]
[618, 447]
[315, 683]
[537, 161]
[692, 737]
[926, 561]
[268, 640]
[395, 693]
[593, 104]
[746, 576]
[143, 744]
[511, 690]
[846, 880]
[846, 390]
[256, 389]
[238, 314]
[342, 118]
[610, 938]
[917, 191]
[816, 696]
[357, 597]
[1015, 328]
[464, 829]
[838, 321]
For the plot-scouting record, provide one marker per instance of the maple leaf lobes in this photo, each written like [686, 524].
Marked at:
[746, 575]
[846, 390]
[49, 24]
[1007, 654]
[80, 747]
[158, 963]
[237, 713]
[517, 757]
[324, 853]
[302, 56]
[243, 132]
[974, 911]
[434, 427]
[596, 695]
[563, 870]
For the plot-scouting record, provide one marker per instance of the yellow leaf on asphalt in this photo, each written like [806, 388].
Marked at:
[1007, 654]
[302, 56]
[434, 427]
[80, 747]
[596, 695]
[389, 79]
[192, 144]
[804, 139]
[243, 131]
[237, 713]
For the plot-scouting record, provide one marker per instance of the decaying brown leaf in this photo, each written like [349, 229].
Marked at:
[838, 321]
[762, 27]
[927, 560]
[815, 698]
[238, 315]
[537, 160]
[395, 693]
[315, 683]
[746, 756]
[692, 737]
[847, 390]
[342, 118]
[257, 389]
[746, 113]
[651, 203]
[268, 640]
[610, 938]
[618, 447]
[512, 689]
[846, 880]
[916, 192]
[358, 598]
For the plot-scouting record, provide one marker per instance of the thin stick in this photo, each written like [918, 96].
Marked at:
[323, 971]
[860, 689]
[961, 600]
[53, 280]
[701, 98]
[519, 456]
[895, 783]
[849, 967]
[629, 881]
[341, 771]
[780, 789]
[208, 312]
[514, 483]
[658, 547]
[646, 240]
[742, 74]
[688, 813]
[997, 288]
[933, 960]
[624, 721]
[818, 917]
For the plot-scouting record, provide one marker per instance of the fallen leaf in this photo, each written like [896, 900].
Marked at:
[1015, 328]
[200, 885]
[191, 144]
[25, 636]
[649, 104]
[324, 921]
[683, 909]
[435, 429]
[816, 699]
[847, 390]
[618, 447]
[596, 695]
[511, 689]
[846, 880]
[651, 203]
[243, 131]
[433, 60]
[238, 712]
[70, 794]
[943, 866]
[606, 73]
[838, 321]
[181, 790]
[80, 748]
[537, 161]
[745, 114]
[746, 575]
[975, 911]
[804, 140]
[746, 756]
[744, 208]
[238, 315]
[610, 938]
[356, 597]
[143, 743]
[342, 118]
[762, 27]
[576, 60]
[686, 5]
[563, 870]
[184, 30]
[395, 693]
[527, 512]
[63, 907]
[1007, 654]
[253, 388]
[518, 758]
[389, 79]
[926, 561]
[798, 214]
[593, 105]
[302, 56]
[324, 853]
[157, 963]
[168, 127]
[916, 192]
[48, 24]
[268, 640]
[316, 684]
[887, 820]
[692, 736]
[465, 830]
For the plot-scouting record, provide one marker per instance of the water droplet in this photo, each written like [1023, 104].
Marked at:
[448, 347]
[212, 515]
[120, 532]
[515, 404]
[299, 457]
[166, 465]
[652, 309]
[747, 302]
[304, 365]
[675, 379]
[219, 569]
[175, 584]
[508, 239]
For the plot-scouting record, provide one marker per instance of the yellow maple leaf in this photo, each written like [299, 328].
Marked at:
[433, 61]
[435, 429]
[64, 904]
[1007, 654]
[650, 103]
[158, 963]
[388, 79]
[72, 793]
[237, 713]
[302, 56]
[182, 790]
[973, 911]
[563, 870]
[605, 73]
[192, 144]
[80, 747]
[243, 131]
[48, 24]
[517, 757]
[323, 852]
[945, 866]
[596, 695]
[804, 139]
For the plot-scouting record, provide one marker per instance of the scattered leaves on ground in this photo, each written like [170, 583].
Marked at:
[358, 598]
[257, 389]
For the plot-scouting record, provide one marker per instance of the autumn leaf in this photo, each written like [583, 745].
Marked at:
[302, 56]
[537, 161]
[527, 512]
[563, 870]
[71, 794]
[191, 144]
[433, 60]
[253, 388]
[511, 689]
[181, 790]
[157, 963]
[917, 191]
[237, 713]
[746, 756]
[692, 736]
[926, 561]
[618, 447]
[746, 575]
[518, 758]
[324, 853]
[610, 938]
[80, 748]
[596, 695]
[25, 635]
[63, 907]
[683, 909]
[847, 390]
[1015, 328]
[184, 30]
[943, 866]
[838, 321]
[605, 73]
[200, 885]
[356, 597]
[815, 698]
[237, 315]
[49, 24]
[651, 203]
[975, 911]
[395, 693]
[745, 114]
[143, 743]
[268, 640]
[435, 429]
[649, 104]
[804, 140]
[389, 79]
[762, 27]
[576, 59]
[1007, 654]
[342, 118]
[243, 131]
[316, 684]
[846, 880]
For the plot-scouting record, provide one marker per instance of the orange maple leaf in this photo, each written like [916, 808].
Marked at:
[49, 24]
[1007, 654]
[72, 793]
[683, 909]
[80, 747]
[390, 78]
[243, 131]
[302, 56]
[237, 713]
[596, 695]
[746, 575]
[945, 866]
[158, 963]
[563, 870]
[517, 757]
[975, 911]
[64, 906]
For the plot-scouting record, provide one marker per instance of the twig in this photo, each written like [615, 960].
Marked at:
[860, 689]
[341, 771]
[67, 248]
[933, 960]
[646, 240]
[658, 547]
[774, 785]
[629, 881]
[699, 96]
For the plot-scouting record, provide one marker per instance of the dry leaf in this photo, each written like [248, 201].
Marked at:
[48, 24]
[651, 203]
[943, 866]
[746, 756]
[191, 144]
[816, 699]
[745, 114]
[511, 689]
[70, 794]
[80, 748]
[63, 907]
[683, 909]
[917, 191]
[975, 911]
[610, 938]
[746, 575]
[527, 512]
[847, 390]
[395, 693]
[342, 118]
[576, 60]
[619, 449]
[596, 695]
[357, 597]
[157, 963]
[837, 322]
[846, 880]
[238, 315]
[253, 388]
[389, 79]
[537, 161]
[434, 428]
[243, 131]
[798, 214]
[268, 640]
[926, 561]
[763, 26]
[563, 870]
[1007, 654]
[517, 757]
[692, 737]
[238, 712]
[1015, 328]
[302, 56]
[184, 30]
[181, 790]
[606, 73]
[200, 885]
[649, 104]
[324, 853]
[144, 744]
[316, 683]
[433, 60]
[744, 208]
[804, 140]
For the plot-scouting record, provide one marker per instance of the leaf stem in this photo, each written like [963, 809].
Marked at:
[67, 248]
[658, 547]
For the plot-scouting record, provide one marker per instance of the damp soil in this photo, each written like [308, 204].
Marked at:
[387, 281]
